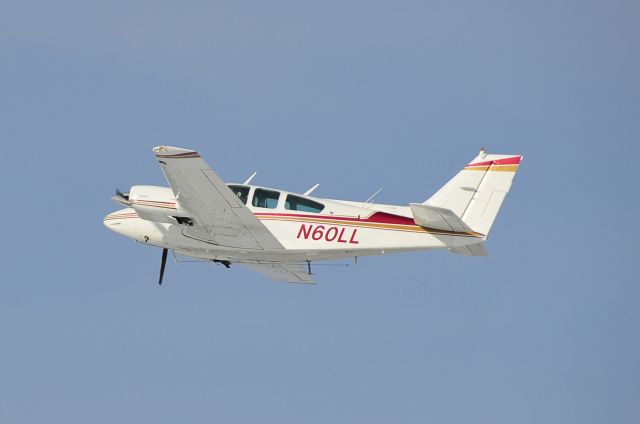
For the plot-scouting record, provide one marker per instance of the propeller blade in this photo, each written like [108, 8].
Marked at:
[122, 198]
[163, 264]
[121, 194]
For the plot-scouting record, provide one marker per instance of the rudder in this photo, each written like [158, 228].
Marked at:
[477, 192]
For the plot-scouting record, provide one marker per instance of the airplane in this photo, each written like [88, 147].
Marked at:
[280, 233]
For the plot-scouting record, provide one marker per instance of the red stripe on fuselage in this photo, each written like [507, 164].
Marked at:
[377, 217]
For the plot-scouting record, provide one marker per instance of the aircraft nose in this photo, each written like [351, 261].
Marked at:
[109, 220]
[116, 221]
[112, 222]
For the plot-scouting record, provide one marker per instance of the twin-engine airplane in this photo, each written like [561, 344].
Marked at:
[279, 233]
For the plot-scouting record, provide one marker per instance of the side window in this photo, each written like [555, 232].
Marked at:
[297, 203]
[265, 198]
[241, 191]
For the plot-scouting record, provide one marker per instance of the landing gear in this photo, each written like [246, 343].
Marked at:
[227, 264]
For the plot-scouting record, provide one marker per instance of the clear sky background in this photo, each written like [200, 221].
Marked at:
[355, 95]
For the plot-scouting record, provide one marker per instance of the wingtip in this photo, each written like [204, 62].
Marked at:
[174, 152]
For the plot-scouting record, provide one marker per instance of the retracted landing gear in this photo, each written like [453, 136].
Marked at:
[227, 264]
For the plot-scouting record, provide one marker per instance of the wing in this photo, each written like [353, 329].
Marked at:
[289, 273]
[220, 217]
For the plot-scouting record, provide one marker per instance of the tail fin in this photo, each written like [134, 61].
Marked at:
[476, 193]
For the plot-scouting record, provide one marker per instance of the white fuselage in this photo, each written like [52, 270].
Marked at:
[341, 229]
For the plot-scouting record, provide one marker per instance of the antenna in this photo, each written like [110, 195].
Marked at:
[373, 196]
[311, 190]
[248, 180]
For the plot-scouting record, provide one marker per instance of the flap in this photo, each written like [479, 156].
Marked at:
[289, 273]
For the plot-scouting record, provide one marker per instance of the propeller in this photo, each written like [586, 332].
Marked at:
[122, 198]
[121, 194]
[163, 263]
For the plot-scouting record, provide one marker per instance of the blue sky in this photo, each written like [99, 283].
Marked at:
[354, 95]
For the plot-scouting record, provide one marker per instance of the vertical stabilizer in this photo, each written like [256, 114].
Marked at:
[476, 193]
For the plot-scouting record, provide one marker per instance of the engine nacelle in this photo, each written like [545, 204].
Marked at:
[158, 204]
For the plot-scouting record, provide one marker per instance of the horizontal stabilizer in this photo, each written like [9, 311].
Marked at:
[437, 218]
[477, 249]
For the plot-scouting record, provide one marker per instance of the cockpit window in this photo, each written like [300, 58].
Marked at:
[297, 203]
[241, 191]
[265, 198]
